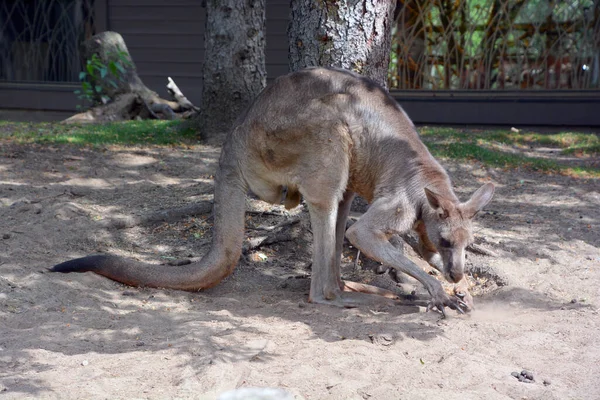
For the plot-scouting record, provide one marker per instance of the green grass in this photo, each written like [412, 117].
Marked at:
[115, 133]
[489, 147]
[486, 146]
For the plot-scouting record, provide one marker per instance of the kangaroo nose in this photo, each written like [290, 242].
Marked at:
[454, 276]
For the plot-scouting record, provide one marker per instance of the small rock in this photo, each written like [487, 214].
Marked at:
[547, 382]
[382, 339]
[6, 236]
[128, 293]
[84, 362]
[301, 304]
[140, 344]
[527, 374]
[573, 301]
[515, 374]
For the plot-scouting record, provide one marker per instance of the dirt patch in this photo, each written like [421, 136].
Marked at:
[83, 336]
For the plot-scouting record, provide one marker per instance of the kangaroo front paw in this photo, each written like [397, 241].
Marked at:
[464, 295]
[440, 300]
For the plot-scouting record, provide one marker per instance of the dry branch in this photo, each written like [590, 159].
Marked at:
[174, 91]
[272, 238]
[479, 249]
[280, 225]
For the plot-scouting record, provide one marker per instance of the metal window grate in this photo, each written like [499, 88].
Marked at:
[496, 44]
[39, 39]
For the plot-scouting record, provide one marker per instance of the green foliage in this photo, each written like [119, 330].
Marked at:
[493, 44]
[148, 132]
[97, 77]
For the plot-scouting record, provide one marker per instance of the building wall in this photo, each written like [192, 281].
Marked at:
[167, 39]
[164, 39]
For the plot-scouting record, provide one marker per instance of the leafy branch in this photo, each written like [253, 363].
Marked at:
[98, 77]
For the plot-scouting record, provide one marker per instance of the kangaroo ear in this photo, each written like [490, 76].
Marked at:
[438, 203]
[480, 199]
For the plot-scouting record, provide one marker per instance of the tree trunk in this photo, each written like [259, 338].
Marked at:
[351, 34]
[234, 63]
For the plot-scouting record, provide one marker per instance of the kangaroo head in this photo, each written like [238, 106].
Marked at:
[450, 229]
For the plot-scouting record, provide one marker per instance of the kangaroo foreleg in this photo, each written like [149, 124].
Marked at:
[374, 243]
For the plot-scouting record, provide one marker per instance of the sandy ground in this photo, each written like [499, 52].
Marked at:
[83, 336]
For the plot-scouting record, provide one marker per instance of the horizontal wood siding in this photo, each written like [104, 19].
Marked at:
[165, 38]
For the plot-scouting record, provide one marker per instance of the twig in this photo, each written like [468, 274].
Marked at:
[356, 266]
[35, 201]
[258, 212]
[287, 222]
[272, 238]
[479, 249]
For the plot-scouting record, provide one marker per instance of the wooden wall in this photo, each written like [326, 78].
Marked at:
[167, 39]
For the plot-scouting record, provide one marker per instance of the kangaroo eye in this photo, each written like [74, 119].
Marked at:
[444, 243]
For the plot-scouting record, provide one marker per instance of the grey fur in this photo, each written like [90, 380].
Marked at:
[328, 134]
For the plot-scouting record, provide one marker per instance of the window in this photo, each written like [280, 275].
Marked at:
[39, 39]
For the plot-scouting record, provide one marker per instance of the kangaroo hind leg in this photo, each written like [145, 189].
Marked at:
[326, 286]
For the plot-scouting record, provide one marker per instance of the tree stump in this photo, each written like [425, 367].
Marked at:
[123, 95]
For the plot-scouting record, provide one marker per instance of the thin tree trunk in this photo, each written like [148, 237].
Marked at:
[234, 63]
[351, 34]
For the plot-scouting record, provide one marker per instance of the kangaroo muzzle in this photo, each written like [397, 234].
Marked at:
[454, 266]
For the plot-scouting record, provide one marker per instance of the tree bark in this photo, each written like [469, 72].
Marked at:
[351, 34]
[234, 66]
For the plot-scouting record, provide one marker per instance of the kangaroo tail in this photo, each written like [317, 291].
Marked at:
[219, 262]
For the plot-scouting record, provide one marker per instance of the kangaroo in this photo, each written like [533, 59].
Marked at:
[326, 134]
